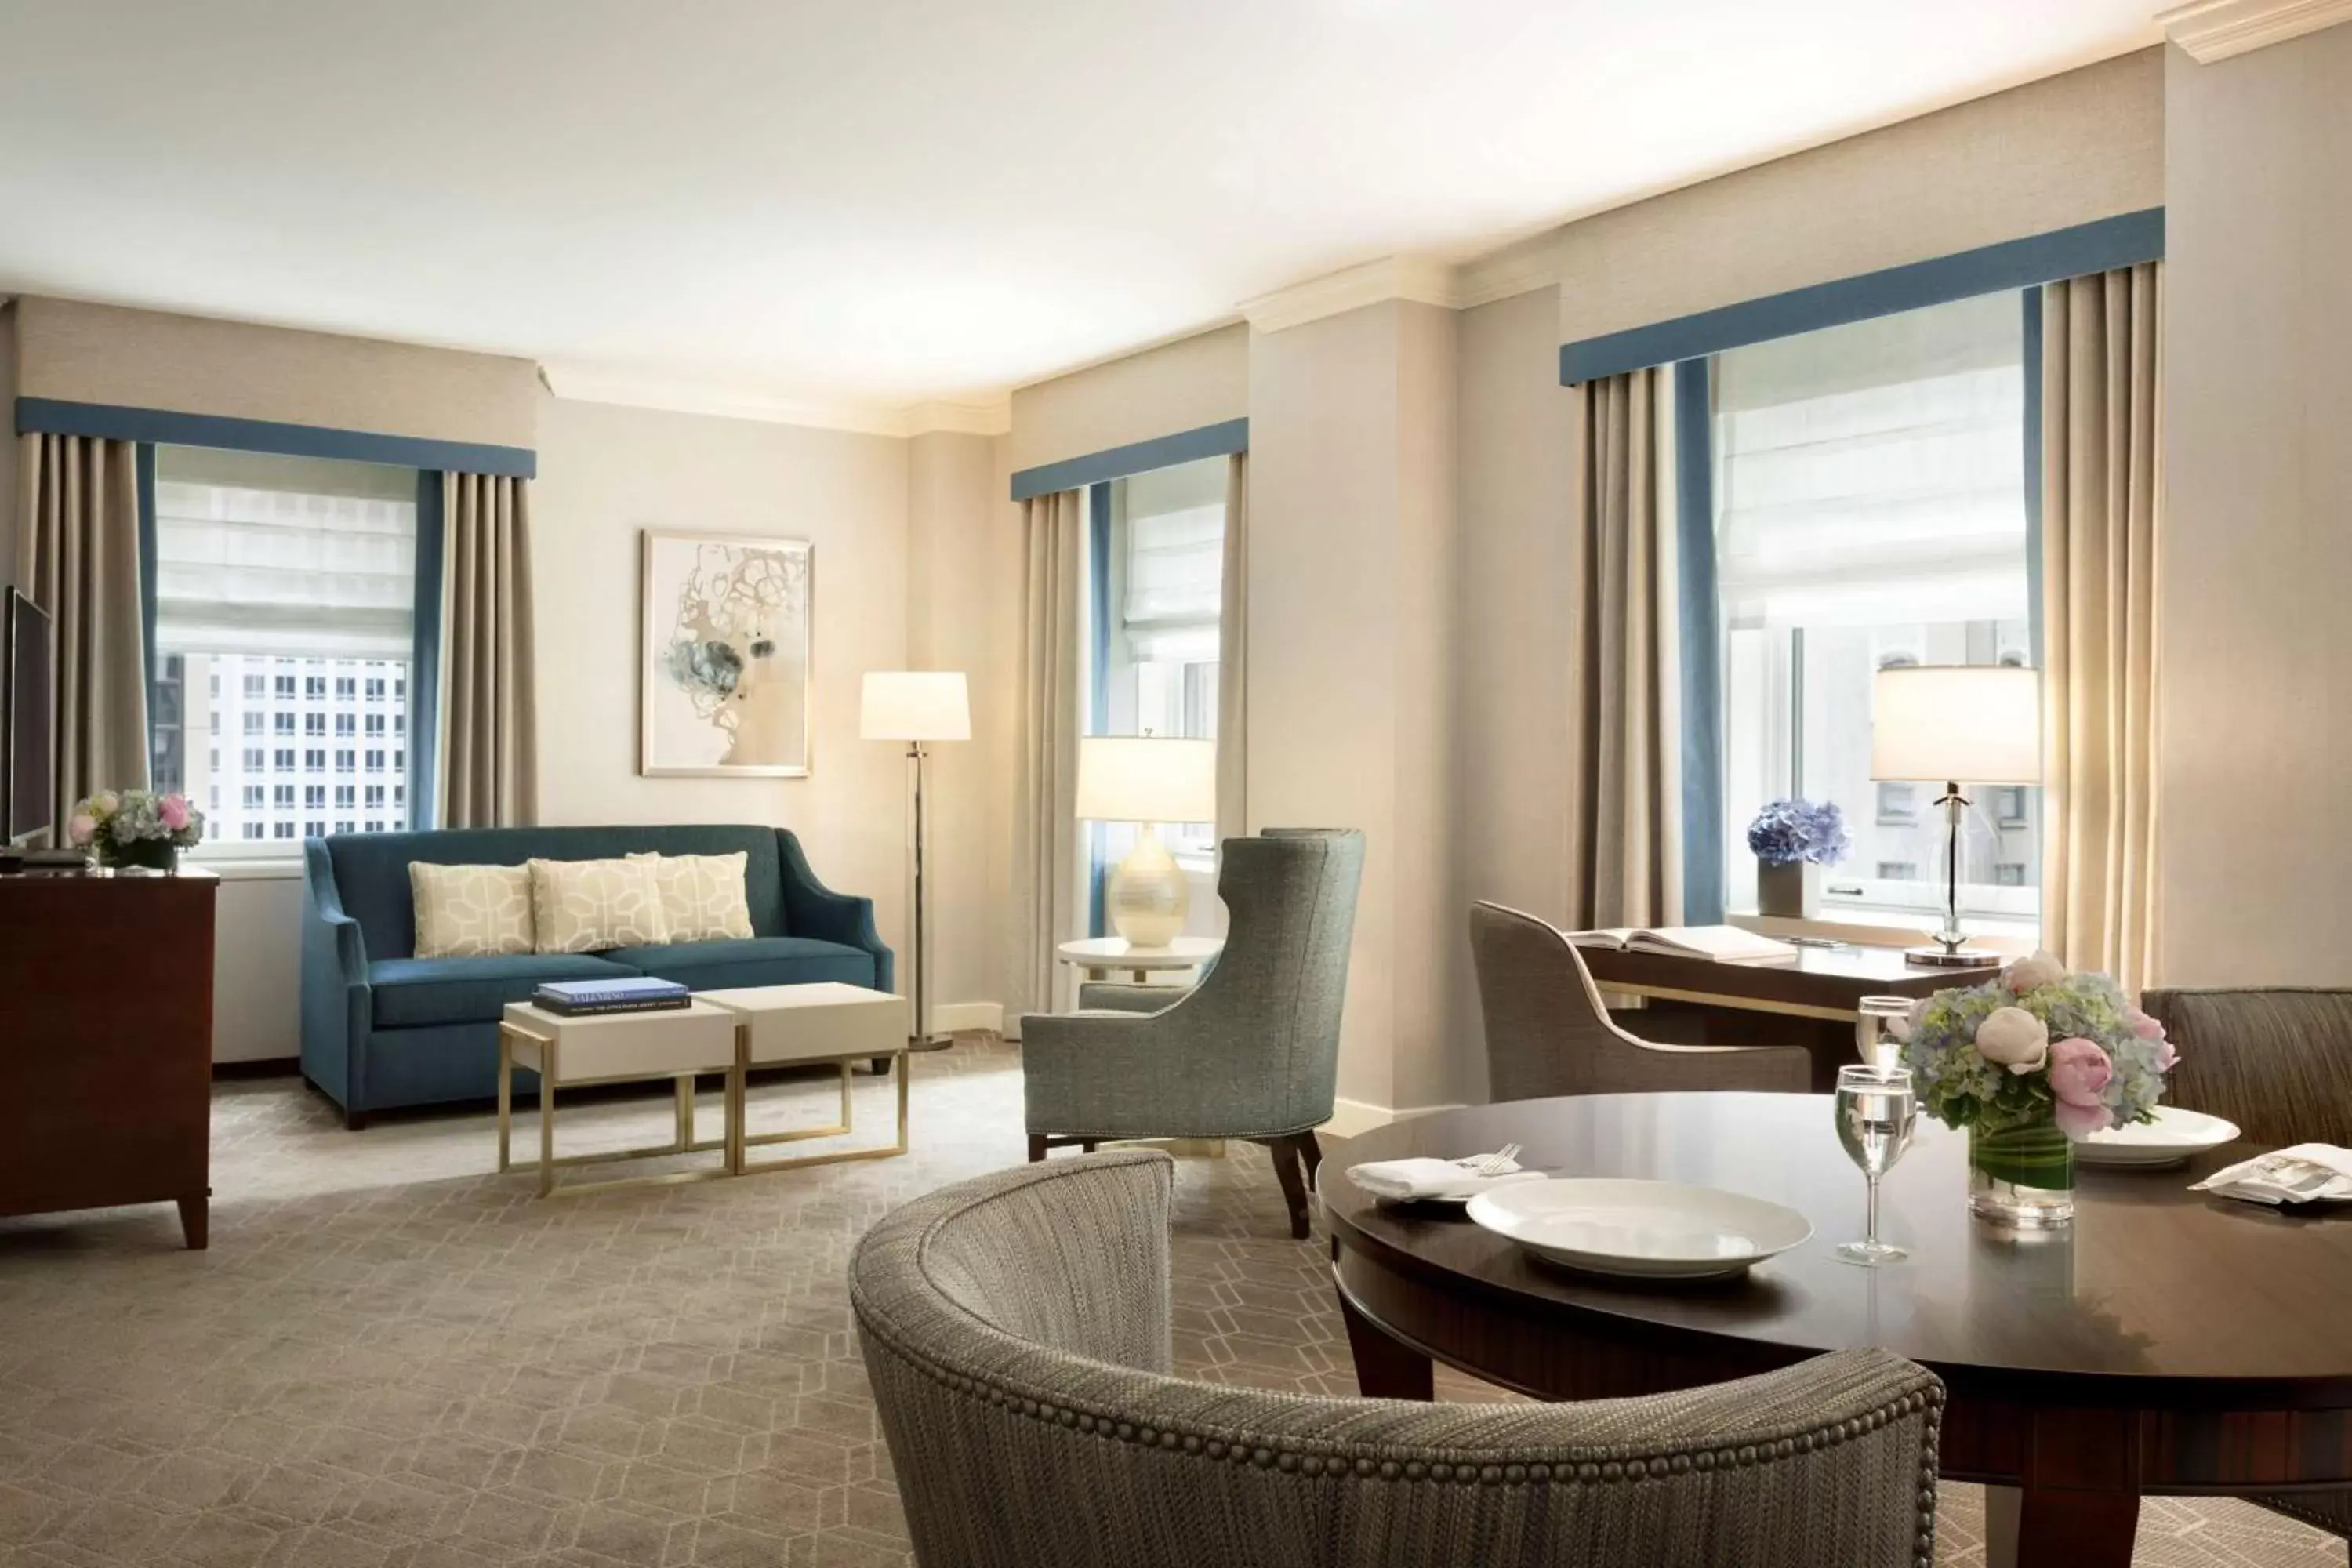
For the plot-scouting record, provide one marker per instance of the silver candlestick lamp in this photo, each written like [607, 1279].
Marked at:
[1942, 724]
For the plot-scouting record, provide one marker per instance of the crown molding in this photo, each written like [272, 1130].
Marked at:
[2213, 30]
[585, 384]
[1419, 279]
[1505, 273]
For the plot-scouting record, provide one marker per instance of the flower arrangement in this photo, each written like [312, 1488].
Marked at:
[2031, 1062]
[1791, 830]
[136, 827]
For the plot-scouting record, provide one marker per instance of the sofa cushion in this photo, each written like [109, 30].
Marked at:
[372, 868]
[751, 961]
[411, 992]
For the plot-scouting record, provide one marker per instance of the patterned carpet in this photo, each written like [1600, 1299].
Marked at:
[391, 1358]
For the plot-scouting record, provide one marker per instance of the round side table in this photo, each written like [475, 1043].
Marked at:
[1099, 955]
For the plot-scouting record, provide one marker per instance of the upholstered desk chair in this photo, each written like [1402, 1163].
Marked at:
[1252, 1051]
[1548, 1033]
[1017, 1331]
[2276, 1060]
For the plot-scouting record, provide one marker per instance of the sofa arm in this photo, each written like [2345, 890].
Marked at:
[814, 910]
[336, 998]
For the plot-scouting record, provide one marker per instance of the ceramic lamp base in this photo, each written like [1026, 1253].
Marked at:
[1146, 898]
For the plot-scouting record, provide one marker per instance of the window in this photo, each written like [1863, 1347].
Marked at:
[314, 829]
[214, 688]
[282, 797]
[1871, 512]
[1165, 569]
[343, 759]
[375, 688]
[346, 723]
[399, 761]
[346, 826]
[374, 797]
[373, 827]
[212, 800]
[253, 797]
[280, 573]
[375, 725]
[345, 797]
[314, 798]
[252, 829]
[374, 760]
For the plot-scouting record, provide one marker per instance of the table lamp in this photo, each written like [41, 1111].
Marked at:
[1942, 724]
[1147, 779]
[917, 706]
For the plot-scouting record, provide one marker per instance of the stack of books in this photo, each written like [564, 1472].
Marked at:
[586, 998]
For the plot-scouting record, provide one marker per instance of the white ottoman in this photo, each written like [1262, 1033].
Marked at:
[779, 1026]
[568, 1051]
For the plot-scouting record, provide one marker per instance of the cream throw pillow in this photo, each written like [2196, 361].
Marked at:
[586, 906]
[703, 896]
[470, 912]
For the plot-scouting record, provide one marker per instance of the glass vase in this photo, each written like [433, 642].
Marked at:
[2022, 1175]
[149, 854]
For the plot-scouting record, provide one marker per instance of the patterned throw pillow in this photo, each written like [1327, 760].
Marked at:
[586, 906]
[470, 912]
[703, 896]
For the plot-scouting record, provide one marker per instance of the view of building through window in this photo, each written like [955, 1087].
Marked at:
[1871, 512]
[285, 616]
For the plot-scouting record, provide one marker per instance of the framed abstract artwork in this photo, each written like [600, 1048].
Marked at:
[723, 688]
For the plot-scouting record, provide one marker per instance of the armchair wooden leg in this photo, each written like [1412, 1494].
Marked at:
[1037, 1147]
[1312, 1153]
[1286, 1151]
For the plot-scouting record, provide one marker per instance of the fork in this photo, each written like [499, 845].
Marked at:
[1494, 1164]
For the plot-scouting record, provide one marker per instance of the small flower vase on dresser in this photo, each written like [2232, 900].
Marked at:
[2022, 1175]
[144, 854]
[1791, 890]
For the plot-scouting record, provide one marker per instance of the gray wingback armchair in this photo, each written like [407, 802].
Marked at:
[1017, 1331]
[1547, 1031]
[1252, 1051]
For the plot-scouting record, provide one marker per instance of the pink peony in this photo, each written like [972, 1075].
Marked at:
[2079, 1122]
[2145, 1028]
[82, 828]
[2079, 1070]
[2014, 1038]
[173, 810]
[2166, 1056]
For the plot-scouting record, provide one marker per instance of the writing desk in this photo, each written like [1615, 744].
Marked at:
[1813, 1002]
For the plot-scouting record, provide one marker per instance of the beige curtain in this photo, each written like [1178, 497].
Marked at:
[1624, 852]
[2101, 492]
[78, 558]
[490, 769]
[1232, 659]
[1046, 846]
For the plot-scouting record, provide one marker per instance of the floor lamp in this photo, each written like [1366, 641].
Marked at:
[918, 707]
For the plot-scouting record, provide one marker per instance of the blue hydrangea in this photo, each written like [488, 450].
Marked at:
[1791, 830]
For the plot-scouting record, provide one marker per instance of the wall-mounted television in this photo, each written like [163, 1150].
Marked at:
[28, 728]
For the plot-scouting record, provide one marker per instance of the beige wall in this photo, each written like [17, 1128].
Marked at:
[606, 472]
[191, 365]
[1350, 605]
[1195, 381]
[2066, 150]
[9, 500]
[2256, 856]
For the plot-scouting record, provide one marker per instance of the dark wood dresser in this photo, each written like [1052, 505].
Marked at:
[106, 1043]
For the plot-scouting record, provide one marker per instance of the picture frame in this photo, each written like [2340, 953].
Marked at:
[726, 638]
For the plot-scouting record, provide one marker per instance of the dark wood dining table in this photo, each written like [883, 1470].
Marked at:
[2168, 1342]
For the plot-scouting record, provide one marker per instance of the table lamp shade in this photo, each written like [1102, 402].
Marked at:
[915, 705]
[1147, 778]
[1977, 723]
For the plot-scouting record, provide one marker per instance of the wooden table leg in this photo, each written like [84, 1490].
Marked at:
[1385, 1368]
[2038, 1528]
[194, 1217]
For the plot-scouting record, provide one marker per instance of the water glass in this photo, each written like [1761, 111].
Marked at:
[1875, 1115]
[1874, 1037]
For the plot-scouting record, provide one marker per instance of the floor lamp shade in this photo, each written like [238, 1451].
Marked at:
[1947, 723]
[918, 707]
[1147, 779]
[915, 705]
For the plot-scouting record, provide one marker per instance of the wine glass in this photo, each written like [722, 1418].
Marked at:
[1876, 1114]
[1875, 1021]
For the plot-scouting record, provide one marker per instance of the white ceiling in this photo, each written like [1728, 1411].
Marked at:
[894, 200]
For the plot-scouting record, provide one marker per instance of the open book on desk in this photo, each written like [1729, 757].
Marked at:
[1725, 945]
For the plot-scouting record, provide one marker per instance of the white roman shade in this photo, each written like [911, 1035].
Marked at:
[1873, 474]
[257, 554]
[1175, 575]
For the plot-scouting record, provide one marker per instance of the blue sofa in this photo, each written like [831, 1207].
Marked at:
[383, 1028]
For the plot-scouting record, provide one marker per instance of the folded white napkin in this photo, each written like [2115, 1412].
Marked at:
[2308, 1173]
[1411, 1181]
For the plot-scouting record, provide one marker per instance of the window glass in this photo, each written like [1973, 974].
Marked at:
[281, 584]
[1871, 512]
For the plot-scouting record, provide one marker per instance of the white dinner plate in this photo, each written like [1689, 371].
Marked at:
[1640, 1230]
[2169, 1140]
